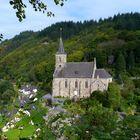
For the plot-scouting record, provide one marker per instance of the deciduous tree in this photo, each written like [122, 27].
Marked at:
[38, 5]
[114, 95]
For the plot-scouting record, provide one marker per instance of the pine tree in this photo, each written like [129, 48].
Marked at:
[131, 60]
[120, 65]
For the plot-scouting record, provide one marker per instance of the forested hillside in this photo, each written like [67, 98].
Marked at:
[29, 58]
[115, 42]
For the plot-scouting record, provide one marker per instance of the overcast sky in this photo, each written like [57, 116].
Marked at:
[76, 10]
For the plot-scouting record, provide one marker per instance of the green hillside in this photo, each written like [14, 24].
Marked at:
[109, 115]
[29, 56]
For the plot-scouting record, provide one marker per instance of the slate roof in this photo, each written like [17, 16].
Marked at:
[28, 88]
[47, 96]
[76, 70]
[61, 47]
[101, 73]
[80, 70]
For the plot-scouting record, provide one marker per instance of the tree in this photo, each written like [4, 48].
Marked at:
[131, 60]
[120, 64]
[38, 5]
[101, 97]
[7, 92]
[114, 95]
[1, 36]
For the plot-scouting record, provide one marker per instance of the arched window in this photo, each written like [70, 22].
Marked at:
[76, 84]
[66, 84]
[59, 59]
[86, 84]
[98, 86]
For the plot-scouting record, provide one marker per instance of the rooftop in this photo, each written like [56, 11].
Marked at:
[76, 70]
[80, 70]
[102, 73]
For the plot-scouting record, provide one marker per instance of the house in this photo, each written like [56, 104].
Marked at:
[77, 78]
[27, 92]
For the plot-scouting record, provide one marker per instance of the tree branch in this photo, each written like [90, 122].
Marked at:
[37, 5]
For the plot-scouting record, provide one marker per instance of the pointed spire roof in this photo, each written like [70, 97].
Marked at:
[61, 45]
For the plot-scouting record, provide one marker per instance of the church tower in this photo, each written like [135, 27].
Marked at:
[61, 56]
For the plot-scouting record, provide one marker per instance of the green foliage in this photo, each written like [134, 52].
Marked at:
[29, 57]
[4, 85]
[7, 92]
[132, 124]
[2, 121]
[13, 134]
[131, 60]
[20, 7]
[88, 118]
[134, 72]
[30, 123]
[114, 96]
[127, 82]
[28, 131]
[137, 83]
[1, 37]
[101, 97]
[49, 134]
[76, 56]
[95, 122]
[44, 71]
[137, 91]
[33, 52]
[122, 23]
[120, 65]
[98, 122]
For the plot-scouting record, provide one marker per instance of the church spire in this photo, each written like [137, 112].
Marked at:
[61, 46]
[60, 56]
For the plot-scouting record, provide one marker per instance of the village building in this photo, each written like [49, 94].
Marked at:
[27, 92]
[77, 78]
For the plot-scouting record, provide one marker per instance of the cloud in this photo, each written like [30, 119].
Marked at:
[72, 10]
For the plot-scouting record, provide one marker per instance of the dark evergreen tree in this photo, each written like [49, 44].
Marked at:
[120, 66]
[131, 60]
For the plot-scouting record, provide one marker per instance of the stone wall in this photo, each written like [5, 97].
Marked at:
[99, 84]
[61, 59]
[67, 87]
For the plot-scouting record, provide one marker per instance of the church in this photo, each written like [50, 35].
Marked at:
[77, 78]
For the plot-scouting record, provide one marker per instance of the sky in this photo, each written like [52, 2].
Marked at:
[73, 10]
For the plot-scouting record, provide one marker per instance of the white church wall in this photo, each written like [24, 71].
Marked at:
[67, 87]
[99, 84]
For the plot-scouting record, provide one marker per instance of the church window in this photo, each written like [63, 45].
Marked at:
[86, 84]
[76, 84]
[76, 72]
[66, 84]
[59, 66]
[59, 59]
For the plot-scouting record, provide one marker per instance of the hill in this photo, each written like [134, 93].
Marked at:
[29, 56]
